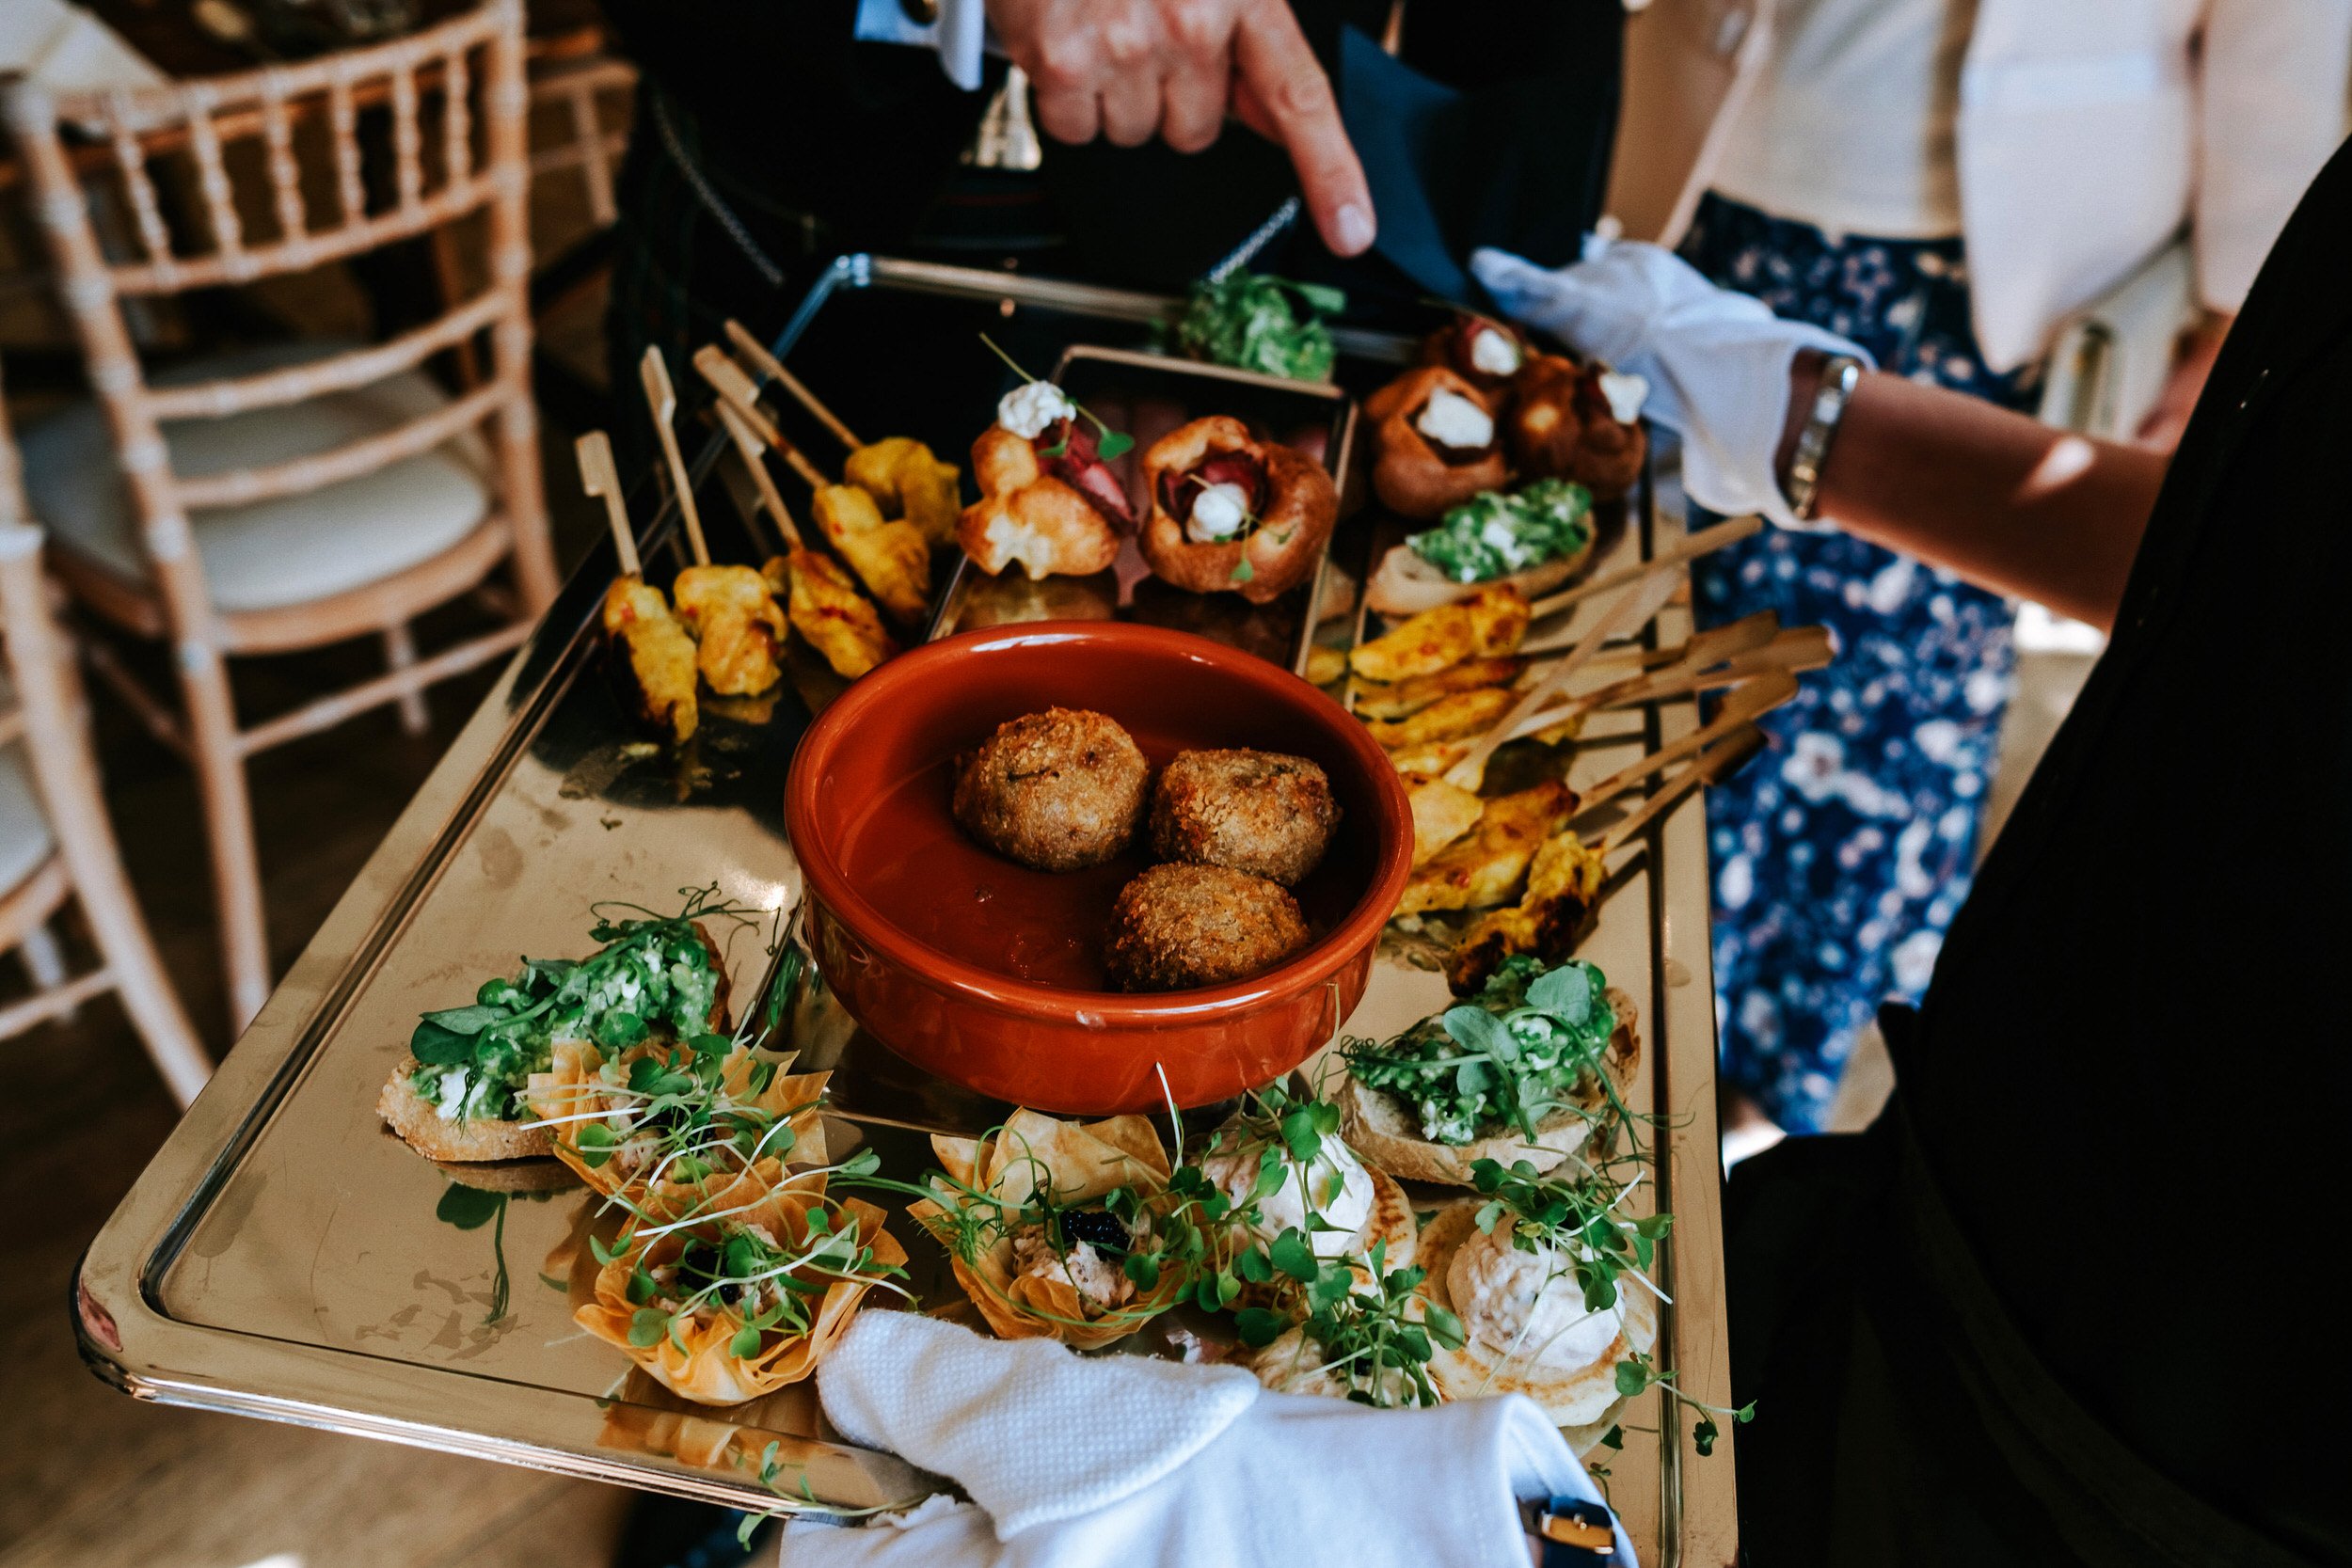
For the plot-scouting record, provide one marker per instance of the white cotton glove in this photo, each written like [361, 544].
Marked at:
[1717, 362]
[1080, 1461]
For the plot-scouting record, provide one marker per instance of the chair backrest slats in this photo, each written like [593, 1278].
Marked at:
[200, 272]
[343, 373]
[342, 117]
[456, 120]
[285, 175]
[408, 138]
[220, 198]
[363, 456]
[130, 161]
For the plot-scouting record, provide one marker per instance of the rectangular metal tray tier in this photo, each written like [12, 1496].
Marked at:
[286, 1257]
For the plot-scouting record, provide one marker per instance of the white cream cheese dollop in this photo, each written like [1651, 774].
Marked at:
[1528, 1305]
[1337, 1181]
[1625, 395]
[1493, 353]
[1294, 1363]
[1033, 406]
[1218, 513]
[1452, 420]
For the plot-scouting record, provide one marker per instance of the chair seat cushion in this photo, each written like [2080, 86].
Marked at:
[24, 837]
[292, 550]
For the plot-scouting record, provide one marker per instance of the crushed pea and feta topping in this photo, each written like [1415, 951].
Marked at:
[1493, 534]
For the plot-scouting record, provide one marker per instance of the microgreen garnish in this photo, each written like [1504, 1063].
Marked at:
[1113, 443]
[652, 973]
[1371, 1330]
[1257, 322]
[1523, 1048]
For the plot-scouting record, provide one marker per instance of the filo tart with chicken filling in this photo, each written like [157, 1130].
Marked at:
[460, 1094]
[676, 1110]
[1408, 1106]
[1526, 1326]
[1231, 513]
[743, 1289]
[1041, 1219]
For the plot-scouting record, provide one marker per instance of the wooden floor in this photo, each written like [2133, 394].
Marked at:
[88, 1477]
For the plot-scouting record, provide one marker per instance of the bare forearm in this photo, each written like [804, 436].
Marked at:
[2000, 499]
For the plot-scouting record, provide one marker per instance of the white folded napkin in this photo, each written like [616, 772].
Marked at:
[1078, 1462]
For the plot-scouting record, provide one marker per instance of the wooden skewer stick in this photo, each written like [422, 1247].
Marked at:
[601, 480]
[1702, 649]
[1745, 706]
[748, 447]
[1702, 542]
[1792, 651]
[735, 388]
[755, 354]
[662, 398]
[1641, 601]
[1720, 762]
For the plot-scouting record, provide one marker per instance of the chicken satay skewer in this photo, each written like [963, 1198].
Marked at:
[749, 447]
[1642, 600]
[1792, 652]
[662, 398]
[1705, 542]
[601, 480]
[1719, 762]
[755, 354]
[1743, 706]
[736, 391]
[1702, 647]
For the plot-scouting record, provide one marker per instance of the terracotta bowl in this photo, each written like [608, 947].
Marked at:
[989, 973]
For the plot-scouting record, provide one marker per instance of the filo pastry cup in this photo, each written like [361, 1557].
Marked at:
[1078, 1163]
[698, 1360]
[572, 1087]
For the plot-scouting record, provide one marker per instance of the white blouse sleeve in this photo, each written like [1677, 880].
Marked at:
[2271, 109]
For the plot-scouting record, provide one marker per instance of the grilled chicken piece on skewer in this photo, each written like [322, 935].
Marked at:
[739, 630]
[1487, 624]
[1409, 697]
[652, 658]
[905, 477]
[1464, 714]
[890, 557]
[1486, 867]
[1441, 813]
[1561, 883]
[827, 609]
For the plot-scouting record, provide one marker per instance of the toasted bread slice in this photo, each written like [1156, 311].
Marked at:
[1404, 584]
[1577, 1397]
[423, 1127]
[438, 1137]
[1379, 1127]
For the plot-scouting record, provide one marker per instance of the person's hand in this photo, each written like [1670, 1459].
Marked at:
[1717, 362]
[1131, 69]
[1073, 1463]
[2162, 428]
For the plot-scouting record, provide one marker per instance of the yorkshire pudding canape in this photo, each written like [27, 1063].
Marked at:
[1565, 421]
[1051, 515]
[1437, 438]
[1233, 514]
[1485, 354]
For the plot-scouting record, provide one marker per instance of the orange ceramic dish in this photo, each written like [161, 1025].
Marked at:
[989, 974]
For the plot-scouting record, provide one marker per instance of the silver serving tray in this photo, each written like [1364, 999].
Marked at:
[284, 1256]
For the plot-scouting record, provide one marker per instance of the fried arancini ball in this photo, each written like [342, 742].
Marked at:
[1058, 790]
[1177, 927]
[1259, 812]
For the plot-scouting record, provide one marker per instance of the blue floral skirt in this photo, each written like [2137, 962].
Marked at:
[1841, 854]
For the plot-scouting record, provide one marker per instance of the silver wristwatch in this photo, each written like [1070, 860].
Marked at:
[1840, 373]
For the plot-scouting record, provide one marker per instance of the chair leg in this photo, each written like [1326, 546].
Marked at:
[229, 821]
[45, 963]
[115, 924]
[400, 653]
